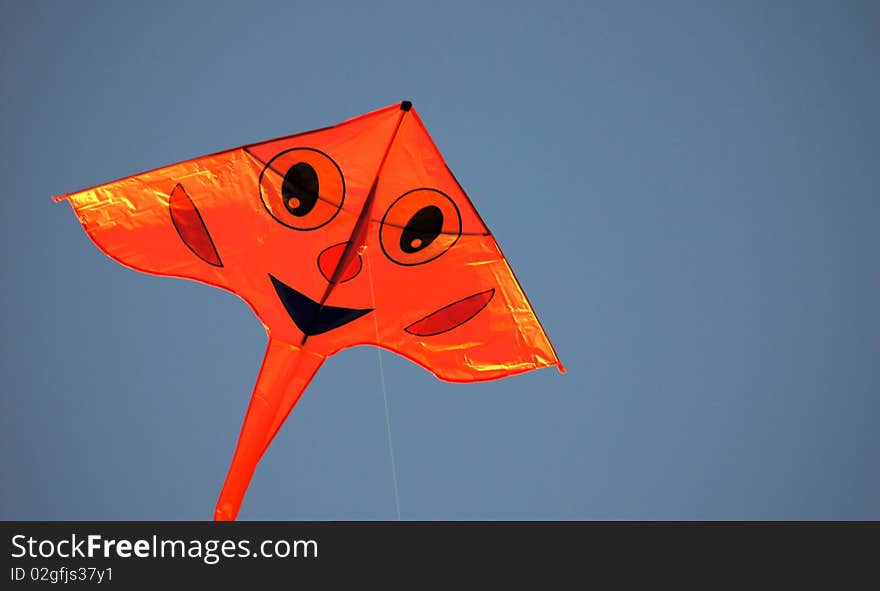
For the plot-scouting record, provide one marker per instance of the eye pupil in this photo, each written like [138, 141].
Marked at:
[300, 189]
[422, 229]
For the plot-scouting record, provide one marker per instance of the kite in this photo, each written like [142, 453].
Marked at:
[355, 234]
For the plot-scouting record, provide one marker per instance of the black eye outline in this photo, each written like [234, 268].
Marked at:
[391, 207]
[282, 176]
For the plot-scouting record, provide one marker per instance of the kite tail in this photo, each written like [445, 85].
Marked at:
[286, 372]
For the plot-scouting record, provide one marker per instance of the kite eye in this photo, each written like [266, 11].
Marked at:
[419, 227]
[302, 188]
[299, 191]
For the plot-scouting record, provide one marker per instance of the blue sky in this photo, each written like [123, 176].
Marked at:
[687, 192]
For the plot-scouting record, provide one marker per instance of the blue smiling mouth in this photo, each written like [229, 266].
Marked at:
[309, 316]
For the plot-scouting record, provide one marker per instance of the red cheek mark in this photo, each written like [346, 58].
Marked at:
[191, 228]
[451, 316]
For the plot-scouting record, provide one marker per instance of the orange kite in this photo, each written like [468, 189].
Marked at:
[356, 234]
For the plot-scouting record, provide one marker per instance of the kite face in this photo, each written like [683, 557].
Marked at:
[349, 235]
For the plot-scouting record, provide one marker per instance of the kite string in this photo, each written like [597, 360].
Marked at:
[384, 386]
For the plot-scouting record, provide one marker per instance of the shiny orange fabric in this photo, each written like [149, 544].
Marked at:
[350, 235]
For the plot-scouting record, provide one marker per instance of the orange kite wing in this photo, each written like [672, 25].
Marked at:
[349, 235]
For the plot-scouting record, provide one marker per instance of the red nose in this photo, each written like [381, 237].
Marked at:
[329, 259]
